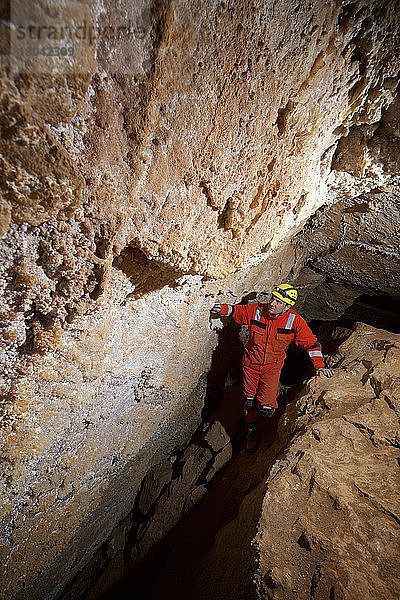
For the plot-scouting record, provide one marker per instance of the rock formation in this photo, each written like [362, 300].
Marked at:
[162, 158]
[352, 247]
[330, 520]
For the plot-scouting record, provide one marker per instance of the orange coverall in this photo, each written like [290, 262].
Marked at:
[265, 351]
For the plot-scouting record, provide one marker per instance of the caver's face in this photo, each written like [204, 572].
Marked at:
[276, 307]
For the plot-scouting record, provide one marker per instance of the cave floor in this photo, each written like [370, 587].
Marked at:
[194, 557]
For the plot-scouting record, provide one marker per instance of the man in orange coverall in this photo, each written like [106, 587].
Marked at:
[272, 327]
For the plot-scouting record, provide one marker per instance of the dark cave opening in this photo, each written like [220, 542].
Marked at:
[380, 311]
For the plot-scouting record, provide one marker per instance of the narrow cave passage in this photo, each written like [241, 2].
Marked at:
[212, 542]
[380, 311]
[157, 157]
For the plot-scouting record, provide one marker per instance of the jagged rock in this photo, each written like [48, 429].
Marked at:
[216, 436]
[331, 517]
[220, 461]
[173, 502]
[153, 483]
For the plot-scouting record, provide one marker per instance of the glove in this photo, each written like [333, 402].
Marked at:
[326, 372]
[216, 309]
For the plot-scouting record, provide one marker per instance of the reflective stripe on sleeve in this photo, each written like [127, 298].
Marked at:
[230, 310]
[289, 322]
[258, 313]
[315, 353]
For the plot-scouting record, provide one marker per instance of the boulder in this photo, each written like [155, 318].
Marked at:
[330, 519]
[216, 436]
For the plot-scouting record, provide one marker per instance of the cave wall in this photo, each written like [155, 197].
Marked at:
[329, 523]
[351, 247]
[142, 178]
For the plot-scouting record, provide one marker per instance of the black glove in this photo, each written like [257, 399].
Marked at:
[216, 309]
[324, 371]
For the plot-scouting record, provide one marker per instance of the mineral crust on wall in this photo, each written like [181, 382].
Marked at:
[352, 247]
[178, 144]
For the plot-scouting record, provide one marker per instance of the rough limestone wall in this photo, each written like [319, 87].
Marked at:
[352, 247]
[186, 149]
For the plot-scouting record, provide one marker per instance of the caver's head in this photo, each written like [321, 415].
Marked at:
[282, 296]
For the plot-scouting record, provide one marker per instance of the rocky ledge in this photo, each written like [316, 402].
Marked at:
[330, 522]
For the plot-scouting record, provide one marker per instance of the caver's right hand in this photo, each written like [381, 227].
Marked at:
[216, 309]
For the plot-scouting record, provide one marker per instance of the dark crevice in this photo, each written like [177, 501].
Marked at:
[304, 543]
[225, 368]
[346, 17]
[380, 311]
[145, 274]
[102, 241]
[205, 188]
[284, 116]
[98, 275]
[225, 218]
[315, 581]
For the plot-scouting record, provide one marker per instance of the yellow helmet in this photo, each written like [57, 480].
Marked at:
[286, 293]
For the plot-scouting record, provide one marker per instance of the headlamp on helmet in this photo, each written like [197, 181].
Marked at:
[286, 293]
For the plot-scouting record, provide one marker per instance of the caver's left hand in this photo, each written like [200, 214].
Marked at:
[325, 372]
